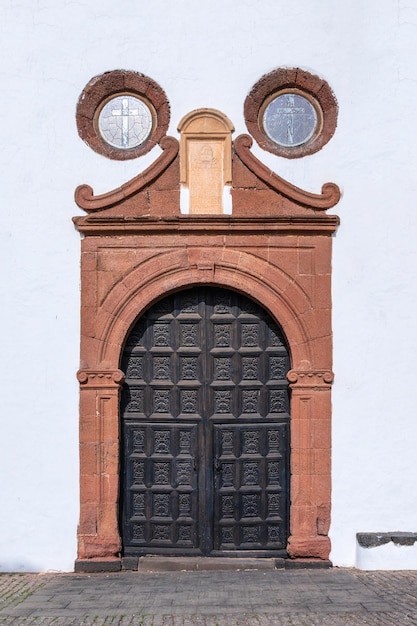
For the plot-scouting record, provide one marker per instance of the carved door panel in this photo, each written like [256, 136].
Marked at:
[250, 487]
[205, 413]
[162, 506]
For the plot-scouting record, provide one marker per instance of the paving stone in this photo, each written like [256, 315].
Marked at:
[186, 564]
[211, 598]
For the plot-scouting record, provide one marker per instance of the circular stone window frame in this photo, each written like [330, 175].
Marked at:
[291, 80]
[100, 90]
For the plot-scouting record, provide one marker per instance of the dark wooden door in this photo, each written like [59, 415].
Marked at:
[205, 428]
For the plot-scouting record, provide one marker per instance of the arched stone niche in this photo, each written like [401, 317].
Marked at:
[205, 160]
[276, 248]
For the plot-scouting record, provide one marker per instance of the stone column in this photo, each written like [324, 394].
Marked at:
[310, 463]
[98, 532]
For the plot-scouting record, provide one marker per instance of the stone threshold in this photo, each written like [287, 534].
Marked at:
[150, 564]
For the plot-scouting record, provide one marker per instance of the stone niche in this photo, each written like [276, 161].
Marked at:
[137, 246]
[205, 160]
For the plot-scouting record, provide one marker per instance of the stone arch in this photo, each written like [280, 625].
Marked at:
[304, 326]
[286, 301]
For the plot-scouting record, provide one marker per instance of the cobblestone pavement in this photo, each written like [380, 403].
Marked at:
[336, 596]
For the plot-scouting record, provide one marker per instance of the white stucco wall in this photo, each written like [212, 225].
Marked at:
[389, 556]
[207, 55]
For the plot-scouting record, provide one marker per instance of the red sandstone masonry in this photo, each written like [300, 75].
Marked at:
[282, 260]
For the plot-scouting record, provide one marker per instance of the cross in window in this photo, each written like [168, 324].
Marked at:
[125, 112]
[288, 113]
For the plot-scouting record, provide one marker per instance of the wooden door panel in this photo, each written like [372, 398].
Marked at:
[161, 504]
[251, 480]
[205, 411]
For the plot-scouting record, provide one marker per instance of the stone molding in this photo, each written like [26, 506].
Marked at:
[307, 379]
[84, 195]
[330, 193]
[100, 378]
[200, 224]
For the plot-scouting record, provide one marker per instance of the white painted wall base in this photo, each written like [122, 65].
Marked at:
[389, 556]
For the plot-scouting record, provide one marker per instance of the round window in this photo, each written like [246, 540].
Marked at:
[125, 122]
[289, 119]
[122, 114]
[291, 112]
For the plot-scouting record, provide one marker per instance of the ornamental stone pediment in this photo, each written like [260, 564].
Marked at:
[206, 163]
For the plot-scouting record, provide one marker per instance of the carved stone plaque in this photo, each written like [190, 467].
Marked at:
[206, 159]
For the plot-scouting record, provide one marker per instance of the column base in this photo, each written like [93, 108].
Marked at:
[315, 547]
[96, 565]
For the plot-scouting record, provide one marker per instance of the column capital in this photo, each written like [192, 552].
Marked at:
[307, 379]
[99, 379]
